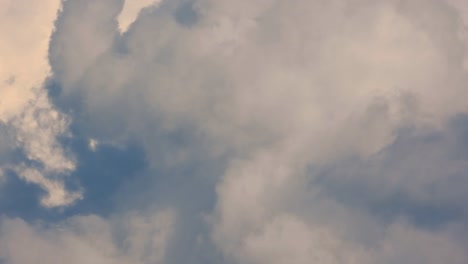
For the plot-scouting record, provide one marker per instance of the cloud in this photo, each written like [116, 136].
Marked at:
[32, 121]
[317, 117]
[288, 239]
[256, 66]
[131, 10]
[132, 238]
[18, 81]
[417, 169]
[277, 87]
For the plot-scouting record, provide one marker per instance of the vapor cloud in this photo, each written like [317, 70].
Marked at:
[33, 122]
[130, 12]
[133, 238]
[337, 129]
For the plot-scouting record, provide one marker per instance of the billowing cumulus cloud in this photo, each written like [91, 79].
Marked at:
[328, 131]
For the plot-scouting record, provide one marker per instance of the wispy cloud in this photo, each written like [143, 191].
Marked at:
[24, 104]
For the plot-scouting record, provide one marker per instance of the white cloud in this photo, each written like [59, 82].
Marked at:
[131, 10]
[57, 195]
[93, 144]
[24, 105]
[24, 52]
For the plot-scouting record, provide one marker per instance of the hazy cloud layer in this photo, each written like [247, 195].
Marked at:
[279, 131]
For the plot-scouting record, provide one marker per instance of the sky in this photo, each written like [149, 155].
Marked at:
[229, 132]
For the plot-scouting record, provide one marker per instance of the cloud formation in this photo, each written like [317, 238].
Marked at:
[33, 122]
[334, 127]
[133, 238]
[130, 12]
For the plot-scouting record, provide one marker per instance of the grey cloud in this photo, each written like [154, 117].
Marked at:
[422, 176]
[274, 88]
[132, 238]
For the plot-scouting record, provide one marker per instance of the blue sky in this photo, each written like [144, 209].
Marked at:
[218, 131]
